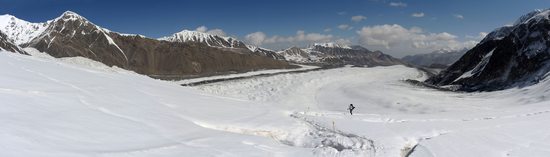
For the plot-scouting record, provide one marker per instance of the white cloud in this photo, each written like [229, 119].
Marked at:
[327, 30]
[358, 18]
[259, 38]
[343, 41]
[458, 16]
[301, 36]
[420, 14]
[345, 27]
[204, 29]
[398, 4]
[341, 13]
[390, 36]
[201, 29]
[217, 32]
[256, 38]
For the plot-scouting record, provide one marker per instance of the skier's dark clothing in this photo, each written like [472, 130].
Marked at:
[351, 107]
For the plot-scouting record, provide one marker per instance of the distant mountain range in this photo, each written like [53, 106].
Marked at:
[510, 56]
[335, 54]
[183, 54]
[436, 59]
[226, 43]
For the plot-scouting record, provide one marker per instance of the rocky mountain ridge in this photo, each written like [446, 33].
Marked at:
[336, 54]
[510, 56]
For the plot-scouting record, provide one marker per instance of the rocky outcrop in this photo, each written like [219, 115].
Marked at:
[7, 45]
[510, 56]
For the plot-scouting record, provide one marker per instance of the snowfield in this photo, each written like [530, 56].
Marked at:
[77, 107]
[396, 116]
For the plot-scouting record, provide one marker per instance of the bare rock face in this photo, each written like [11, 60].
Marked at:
[510, 56]
[174, 58]
[72, 35]
[7, 45]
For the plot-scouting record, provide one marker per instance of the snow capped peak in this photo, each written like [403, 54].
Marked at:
[70, 13]
[332, 45]
[6, 17]
[536, 15]
[188, 35]
[206, 38]
[70, 16]
[20, 31]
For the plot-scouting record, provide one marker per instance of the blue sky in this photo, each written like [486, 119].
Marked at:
[276, 24]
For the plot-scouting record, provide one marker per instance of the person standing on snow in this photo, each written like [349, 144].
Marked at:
[351, 107]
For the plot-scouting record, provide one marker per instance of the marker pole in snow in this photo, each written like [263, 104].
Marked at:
[333, 126]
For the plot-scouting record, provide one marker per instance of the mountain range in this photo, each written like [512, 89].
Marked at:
[436, 59]
[183, 54]
[335, 54]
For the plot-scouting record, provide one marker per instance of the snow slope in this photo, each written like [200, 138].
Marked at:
[398, 116]
[53, 108]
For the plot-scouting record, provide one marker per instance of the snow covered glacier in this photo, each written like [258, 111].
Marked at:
[77, 107]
